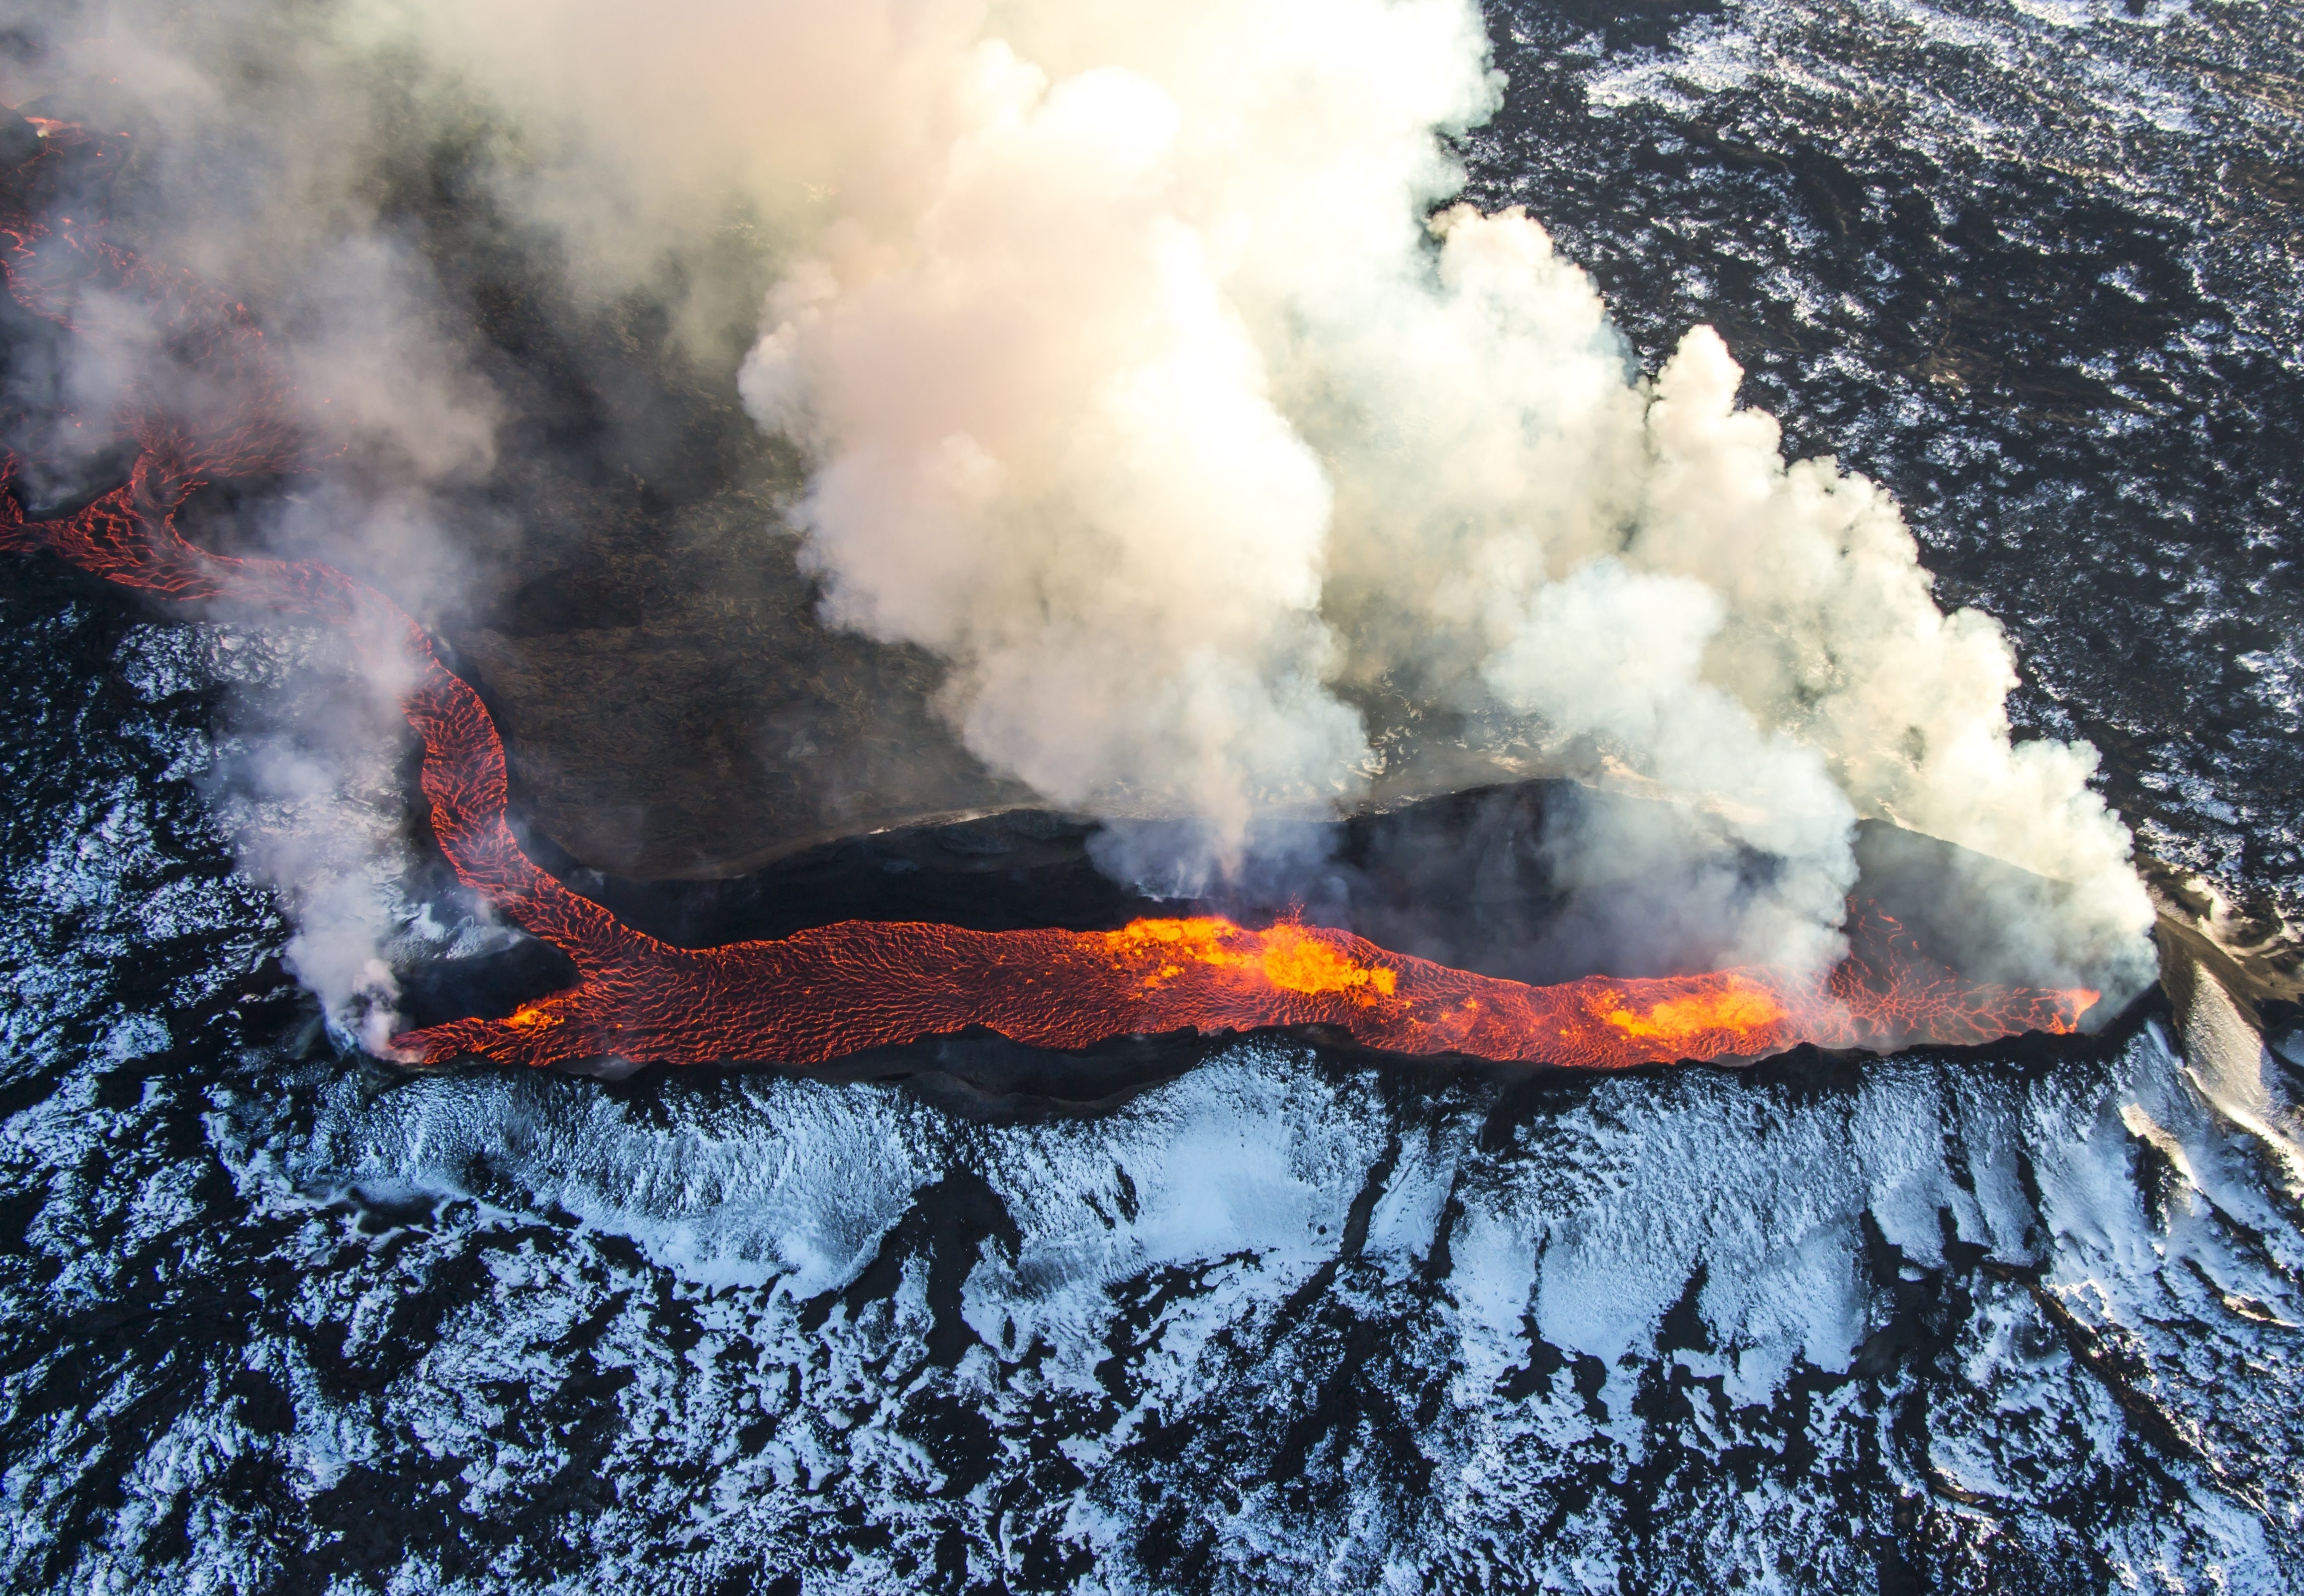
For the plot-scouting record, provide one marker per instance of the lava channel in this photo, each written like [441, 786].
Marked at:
[840, 990]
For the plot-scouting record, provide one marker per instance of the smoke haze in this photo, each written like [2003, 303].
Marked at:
[1145, 375]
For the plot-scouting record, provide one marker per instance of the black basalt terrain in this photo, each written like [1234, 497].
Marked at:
[2034, 268]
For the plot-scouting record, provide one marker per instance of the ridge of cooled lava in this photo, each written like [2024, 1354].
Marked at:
[826, 993]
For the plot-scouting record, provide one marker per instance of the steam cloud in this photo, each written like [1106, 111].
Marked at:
[1144, 386]
[1147, 377]
[255, 168]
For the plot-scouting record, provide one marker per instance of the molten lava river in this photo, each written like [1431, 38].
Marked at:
[835, 990]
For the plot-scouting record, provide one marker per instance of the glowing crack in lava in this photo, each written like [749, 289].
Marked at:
[839, 990]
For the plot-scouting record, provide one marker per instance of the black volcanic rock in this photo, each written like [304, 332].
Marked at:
[20, 141]
[673, 707]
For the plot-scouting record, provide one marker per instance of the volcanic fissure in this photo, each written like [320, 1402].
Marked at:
[838, 989]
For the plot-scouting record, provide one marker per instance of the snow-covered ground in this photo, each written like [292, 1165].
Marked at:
[277, 1320]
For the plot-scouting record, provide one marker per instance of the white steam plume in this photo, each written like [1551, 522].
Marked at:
[1150, 398]
[1144, 379]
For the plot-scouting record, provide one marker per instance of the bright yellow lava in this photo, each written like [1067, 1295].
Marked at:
[1288, 957]
[1295, 961]
[1735, 1007]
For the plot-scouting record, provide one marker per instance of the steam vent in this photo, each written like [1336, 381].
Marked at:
[1204, 798]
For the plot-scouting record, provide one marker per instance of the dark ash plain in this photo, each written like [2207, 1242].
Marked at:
[276, 1319]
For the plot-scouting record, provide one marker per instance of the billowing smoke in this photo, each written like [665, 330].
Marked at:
[1147, 375]
[1161, 402]
[311, 808]
[255, 167]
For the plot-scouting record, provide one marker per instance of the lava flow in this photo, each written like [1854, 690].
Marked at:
[839, 990]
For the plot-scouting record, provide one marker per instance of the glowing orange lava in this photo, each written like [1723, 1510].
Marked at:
[838, 989]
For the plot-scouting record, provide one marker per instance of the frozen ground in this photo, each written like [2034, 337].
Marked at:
[276, 1321]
